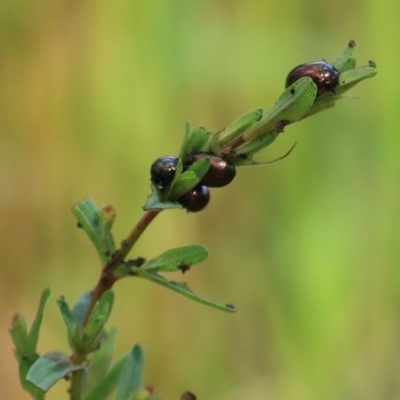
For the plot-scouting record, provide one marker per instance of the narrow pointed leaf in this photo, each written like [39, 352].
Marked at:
[185, 140]
[211, 145]
[348, 65]
[103, 306]
[131, 380]
[181, 289]
[350, 78]
[74, 333]
[293, 104]
[253, 147]
[236, 128]
[19, 336]
[101, 359]
[25, 357]
[108, 383]
[200, 167]
[37, 323]
[81, 306]
[26, 344]
[186, 182]
[176, 259]
[342, 61]
[92, 335]
[195, 142]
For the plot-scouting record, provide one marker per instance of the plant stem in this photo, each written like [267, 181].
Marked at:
[105, 283]
[229, 149]
[107, 278]
[76, 385]
[130, 241]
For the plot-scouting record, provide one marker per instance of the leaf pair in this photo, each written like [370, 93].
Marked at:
[87, 340]
[179, 259]
[92, 219]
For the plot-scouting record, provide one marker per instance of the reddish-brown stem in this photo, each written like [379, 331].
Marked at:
[228, 150]
[107, 278]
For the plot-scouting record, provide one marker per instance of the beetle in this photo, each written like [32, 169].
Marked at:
[323, 74]
[163, 170]
[220, 172]
[195, 200]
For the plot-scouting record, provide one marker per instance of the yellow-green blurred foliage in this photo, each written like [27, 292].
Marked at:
[91, 92]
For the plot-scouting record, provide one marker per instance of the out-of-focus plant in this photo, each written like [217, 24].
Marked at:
[206, 159]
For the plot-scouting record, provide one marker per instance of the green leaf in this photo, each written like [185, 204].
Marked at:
[185, 140]
[195, 142]
[97, 225]
[92, 335]
[37, 323]
[108, 383]
[186, 182]
[19, 336]
[348, 65]
[156, 202]
[73, 328]
[211, 146]
[293, 104]
[93, 331]
[103, 306]
[81, 306]
[200, 167]
[342, 62]
[131, 380]
[177, 259]
[25, 365]
[101, 359]
[50, 368]
[253, 147]
[180, 288]
[236, 128]
[106, 222]
[26, 345]
[350, 78]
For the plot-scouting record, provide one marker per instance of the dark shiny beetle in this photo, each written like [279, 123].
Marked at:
[324, 75]
[220, 173]
[196, 199]
[163, 170]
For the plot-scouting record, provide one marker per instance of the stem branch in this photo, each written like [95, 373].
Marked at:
[76, 385]
[107, 278]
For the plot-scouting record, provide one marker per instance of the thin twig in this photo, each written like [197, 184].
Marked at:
[107, 278]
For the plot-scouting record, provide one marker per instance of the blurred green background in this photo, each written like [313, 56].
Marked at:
[92, 92]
